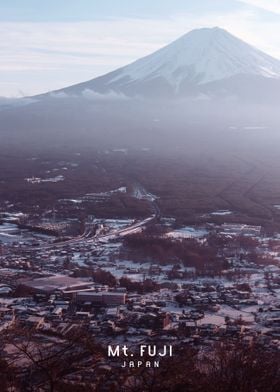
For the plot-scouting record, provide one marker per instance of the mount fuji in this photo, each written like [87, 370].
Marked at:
[208, 60]
[205, 82]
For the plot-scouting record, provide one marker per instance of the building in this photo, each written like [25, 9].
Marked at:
[54, 283]
[240, 229]
[103, 298]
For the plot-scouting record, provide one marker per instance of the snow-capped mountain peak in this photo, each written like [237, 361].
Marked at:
[202, 56]
[198, 58]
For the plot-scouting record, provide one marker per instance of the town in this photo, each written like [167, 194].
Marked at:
[138, 281]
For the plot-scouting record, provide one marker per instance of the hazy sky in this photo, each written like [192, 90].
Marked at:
[50, 44]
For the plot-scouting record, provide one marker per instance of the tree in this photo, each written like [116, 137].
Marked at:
[49, 360]
[104, 277]
[237, 367]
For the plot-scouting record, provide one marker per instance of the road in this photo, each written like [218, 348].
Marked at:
[88, 238]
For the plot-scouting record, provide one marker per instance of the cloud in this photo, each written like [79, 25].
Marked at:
[58, 95]
[268, 5]
[86, 93]
[110, 96]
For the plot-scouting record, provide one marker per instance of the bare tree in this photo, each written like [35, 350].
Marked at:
[45, 362]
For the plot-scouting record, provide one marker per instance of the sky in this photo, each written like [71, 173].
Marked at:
[47, 45]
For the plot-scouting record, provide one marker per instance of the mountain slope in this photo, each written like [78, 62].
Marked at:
[199, 58]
